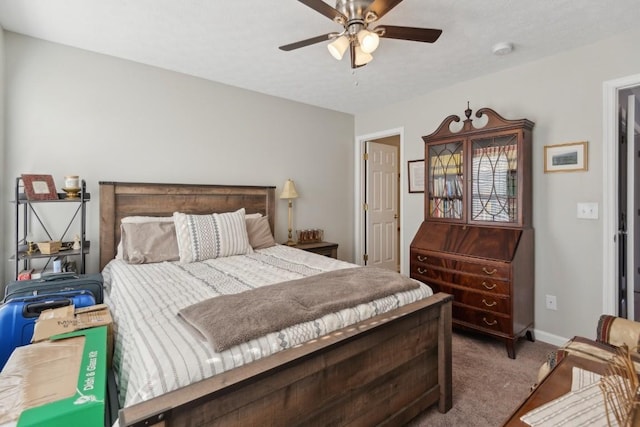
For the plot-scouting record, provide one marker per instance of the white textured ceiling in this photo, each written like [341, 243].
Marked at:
[236, 41]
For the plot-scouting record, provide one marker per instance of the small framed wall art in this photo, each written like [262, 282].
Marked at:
[39, 187]
[416, 176]
[569, 157]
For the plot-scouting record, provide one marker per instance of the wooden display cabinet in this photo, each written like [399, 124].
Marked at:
[477, 240]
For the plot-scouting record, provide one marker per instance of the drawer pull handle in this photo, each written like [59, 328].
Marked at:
[487, 286]
[421, 258]
[489, 272]
[492, 323]
[421, 271]
[489, 304]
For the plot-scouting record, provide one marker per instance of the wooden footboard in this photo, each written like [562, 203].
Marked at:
[385, 370]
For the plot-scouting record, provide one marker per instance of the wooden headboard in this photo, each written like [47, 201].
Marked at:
[121, 199]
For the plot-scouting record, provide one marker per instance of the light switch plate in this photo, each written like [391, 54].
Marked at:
[587, 210]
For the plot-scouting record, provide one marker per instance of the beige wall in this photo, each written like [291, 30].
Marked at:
[70, 111]
[563, 96]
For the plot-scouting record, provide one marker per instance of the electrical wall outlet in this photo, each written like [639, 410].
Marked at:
[551, 302]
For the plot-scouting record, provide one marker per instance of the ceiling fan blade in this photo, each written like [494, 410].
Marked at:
[307, 42]
[324, 9]
[381, 7]
[427, 35]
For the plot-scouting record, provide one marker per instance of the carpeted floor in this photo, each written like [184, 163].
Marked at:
[487, 385]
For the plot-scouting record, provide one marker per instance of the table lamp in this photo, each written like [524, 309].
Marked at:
[289, 192]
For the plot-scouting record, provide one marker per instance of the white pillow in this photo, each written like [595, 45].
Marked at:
[202, 237]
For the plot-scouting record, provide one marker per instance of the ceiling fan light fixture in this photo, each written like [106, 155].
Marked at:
[338, 47]
[362, 57]
[355, 17]
[368, 40]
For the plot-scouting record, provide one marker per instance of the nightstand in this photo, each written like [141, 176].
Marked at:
[322, 248]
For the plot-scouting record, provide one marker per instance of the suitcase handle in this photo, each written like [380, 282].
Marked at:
[59, 276]
[35, 308]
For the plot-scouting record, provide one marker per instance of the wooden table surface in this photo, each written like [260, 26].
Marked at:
[557, 383]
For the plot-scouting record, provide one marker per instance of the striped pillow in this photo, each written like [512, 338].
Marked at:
[202, 237]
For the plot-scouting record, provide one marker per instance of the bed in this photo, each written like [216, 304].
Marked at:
[384, 369]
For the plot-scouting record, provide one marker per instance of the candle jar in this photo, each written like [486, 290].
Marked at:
[72, 181]
[72, 186]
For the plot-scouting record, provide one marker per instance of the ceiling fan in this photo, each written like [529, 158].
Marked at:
[356, 16]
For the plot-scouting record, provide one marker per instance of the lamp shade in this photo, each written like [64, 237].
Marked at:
[362, 58]
[289, 190]
[338, 47]
[368, 40]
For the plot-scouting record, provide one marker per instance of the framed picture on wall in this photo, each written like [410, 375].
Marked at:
[39, 187]
[569, 157]
[416, 176]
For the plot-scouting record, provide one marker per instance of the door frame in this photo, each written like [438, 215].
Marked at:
[359, 192]
[610, 91]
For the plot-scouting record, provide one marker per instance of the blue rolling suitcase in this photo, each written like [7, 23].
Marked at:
[56, 283]
[18, 317]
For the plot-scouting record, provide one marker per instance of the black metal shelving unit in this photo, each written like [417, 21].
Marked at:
[26, 209]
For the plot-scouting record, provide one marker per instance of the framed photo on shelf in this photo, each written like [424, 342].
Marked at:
[416, 176]
[569, 157]
[39, 187]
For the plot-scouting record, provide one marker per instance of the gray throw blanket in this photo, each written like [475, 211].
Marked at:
[228, 320]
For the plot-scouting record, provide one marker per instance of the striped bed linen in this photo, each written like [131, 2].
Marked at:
[154, 353]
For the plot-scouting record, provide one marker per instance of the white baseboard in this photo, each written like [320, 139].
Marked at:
[549, 338]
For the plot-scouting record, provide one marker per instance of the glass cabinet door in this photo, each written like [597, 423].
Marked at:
[494, 179]
[445, 180]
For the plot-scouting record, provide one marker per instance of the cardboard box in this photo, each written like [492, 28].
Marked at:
[59, 382]
[68, 319]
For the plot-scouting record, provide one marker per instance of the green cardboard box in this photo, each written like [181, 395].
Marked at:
[59, 382]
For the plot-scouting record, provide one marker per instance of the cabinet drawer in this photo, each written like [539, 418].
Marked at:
[328, 252]
[484, 284]
[482, 319]
[426, 259]
[494, 270]
[488, 302]
[493, 303]
[430, 274]
[321, 248]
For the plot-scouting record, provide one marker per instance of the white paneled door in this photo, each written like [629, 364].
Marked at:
[382, 243]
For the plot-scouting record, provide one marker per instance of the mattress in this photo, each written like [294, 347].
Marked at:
[154, 351]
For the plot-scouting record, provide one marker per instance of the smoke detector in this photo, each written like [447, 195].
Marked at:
[502, 49]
